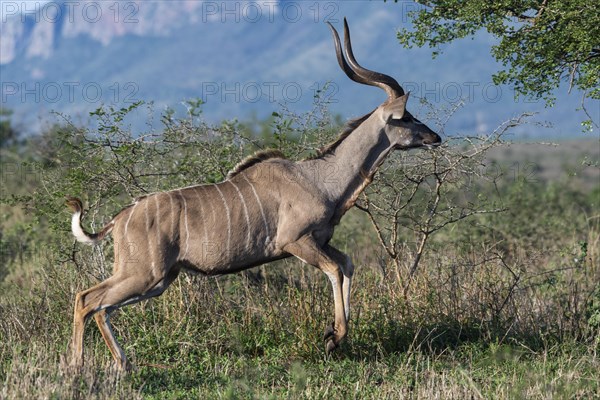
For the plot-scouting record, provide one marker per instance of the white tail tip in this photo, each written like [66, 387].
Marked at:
[77, 230]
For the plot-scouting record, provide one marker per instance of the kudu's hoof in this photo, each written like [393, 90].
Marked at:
[124, 367]
[329, 332]
[330, 346]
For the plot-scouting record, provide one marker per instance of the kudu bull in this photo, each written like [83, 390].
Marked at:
[267, 209]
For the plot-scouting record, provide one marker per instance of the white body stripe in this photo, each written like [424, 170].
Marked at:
[147, 216]
[172, 214]
[249, 233]
[157, 217]
[212, 218]
[228, 218]
[262, 211]
[150, 247]
[185, 218]
[202, 213]
[129, 218]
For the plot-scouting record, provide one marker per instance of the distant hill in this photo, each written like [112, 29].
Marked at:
[242, 58]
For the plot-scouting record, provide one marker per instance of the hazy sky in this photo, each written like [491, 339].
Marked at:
[9, 7]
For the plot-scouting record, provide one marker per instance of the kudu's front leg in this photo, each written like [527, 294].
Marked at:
[307, 250]
[347, 270]
[347, 267]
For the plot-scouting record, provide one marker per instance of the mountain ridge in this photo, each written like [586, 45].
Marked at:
[241, 63]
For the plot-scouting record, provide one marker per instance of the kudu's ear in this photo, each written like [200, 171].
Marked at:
[395, 108]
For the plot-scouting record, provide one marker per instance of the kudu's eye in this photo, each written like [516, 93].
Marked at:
[406, 118]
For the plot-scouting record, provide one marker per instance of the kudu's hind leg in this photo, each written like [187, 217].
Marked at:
[307, 250]
[79, 318]
[102, 318]
[105, 297]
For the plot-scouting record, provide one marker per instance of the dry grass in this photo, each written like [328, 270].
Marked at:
[465, 330]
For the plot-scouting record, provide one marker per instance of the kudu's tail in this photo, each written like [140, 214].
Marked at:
[80, 234]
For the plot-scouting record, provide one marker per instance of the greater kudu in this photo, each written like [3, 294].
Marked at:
[268, 208]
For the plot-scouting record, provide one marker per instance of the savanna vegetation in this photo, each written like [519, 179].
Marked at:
[477, 271]
[541, 44]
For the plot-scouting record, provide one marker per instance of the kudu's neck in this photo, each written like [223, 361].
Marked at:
[351, 166]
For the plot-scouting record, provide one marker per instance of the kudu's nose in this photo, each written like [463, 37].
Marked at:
[432, 139]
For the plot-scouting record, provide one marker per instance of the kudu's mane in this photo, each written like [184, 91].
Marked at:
[263, 155]
[348, 129]
[253, 159]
